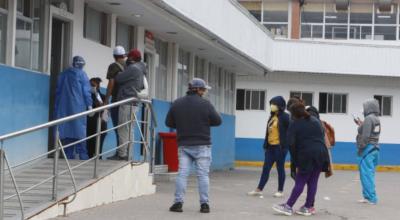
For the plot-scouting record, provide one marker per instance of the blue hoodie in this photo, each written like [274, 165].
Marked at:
[283, 124]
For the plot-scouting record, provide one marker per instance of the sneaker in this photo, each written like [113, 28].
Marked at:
[278, 194]
[205, 208]
[176, 207]
[255, 193]
[304, 211]
[117, 157]
[366, 201]
[313, 210]
[283, 209]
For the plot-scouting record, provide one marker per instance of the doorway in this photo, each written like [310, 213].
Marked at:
[59, 60]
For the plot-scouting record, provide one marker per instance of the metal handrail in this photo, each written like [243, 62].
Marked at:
[59, 148]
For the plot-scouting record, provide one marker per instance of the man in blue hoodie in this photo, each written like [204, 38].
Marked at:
[368, 150]
[275, 146]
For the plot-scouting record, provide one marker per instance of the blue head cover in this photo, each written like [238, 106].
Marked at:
[78, 62]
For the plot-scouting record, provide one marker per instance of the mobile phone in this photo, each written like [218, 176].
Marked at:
[356, 119]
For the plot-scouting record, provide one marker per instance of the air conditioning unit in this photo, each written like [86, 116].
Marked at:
[342, 5]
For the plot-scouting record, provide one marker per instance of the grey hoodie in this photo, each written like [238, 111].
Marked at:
[369, 131]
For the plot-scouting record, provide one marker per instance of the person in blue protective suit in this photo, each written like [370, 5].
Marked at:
[368, 149]
[73, 95]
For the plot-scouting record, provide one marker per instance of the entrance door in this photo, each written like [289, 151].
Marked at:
[60, 58]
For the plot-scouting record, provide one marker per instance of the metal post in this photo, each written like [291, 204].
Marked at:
[130, 142]
[2, 170]
[98, 139]
[55, 163]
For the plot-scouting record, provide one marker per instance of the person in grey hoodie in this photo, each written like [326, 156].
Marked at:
[368, 149]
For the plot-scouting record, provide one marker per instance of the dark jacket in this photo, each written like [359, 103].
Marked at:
[130, 82]
[306, 138]
[192, 116]
[283, 123]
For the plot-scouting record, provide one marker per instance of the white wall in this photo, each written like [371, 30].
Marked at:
[251, 124]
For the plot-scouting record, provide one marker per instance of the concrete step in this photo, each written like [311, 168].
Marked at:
[160, 169]
[165, 177]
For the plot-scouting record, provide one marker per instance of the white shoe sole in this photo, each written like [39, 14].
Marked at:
[281, 212]
[304, 214]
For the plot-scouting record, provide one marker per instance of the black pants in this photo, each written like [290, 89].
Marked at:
[91, 130]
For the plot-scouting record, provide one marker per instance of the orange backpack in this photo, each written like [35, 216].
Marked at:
[329, 134]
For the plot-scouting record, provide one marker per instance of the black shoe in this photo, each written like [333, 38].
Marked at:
[205, 208]
[176, 207]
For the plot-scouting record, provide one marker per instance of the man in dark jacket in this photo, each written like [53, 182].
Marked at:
[275, 146]
[192, 116]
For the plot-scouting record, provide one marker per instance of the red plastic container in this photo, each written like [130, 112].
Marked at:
[170, 148]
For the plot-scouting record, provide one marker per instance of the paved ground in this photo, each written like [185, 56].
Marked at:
[336, 200]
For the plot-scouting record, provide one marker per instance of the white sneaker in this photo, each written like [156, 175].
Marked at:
[278, 194]
[255, 193]
[365, 201]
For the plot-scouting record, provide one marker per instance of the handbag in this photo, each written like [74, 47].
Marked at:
[144, 93]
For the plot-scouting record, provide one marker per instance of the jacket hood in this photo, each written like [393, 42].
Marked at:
[371, 107]
[313, 111]
[279, 101]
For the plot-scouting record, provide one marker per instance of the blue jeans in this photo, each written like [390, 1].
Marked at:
[367, 164]
[273, 154]
[79, 149]
[200, 156]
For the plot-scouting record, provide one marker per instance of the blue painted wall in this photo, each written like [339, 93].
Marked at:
[250, 149]
[24, 103]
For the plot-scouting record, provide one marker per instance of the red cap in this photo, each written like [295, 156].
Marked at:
[135, 55]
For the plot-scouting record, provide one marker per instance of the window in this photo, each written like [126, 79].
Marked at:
[161, 75]
[125, 35]
[29, 34]
[307, 97]
[214, 82]
[332, 103]
[275, 17]
[385, 105]
[250, 99]
[254, 7]
[199, 67]
[3, 30]
[183, 72]
[229, 92]
[96, 26]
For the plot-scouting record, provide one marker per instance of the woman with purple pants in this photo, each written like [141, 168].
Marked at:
[309, 156]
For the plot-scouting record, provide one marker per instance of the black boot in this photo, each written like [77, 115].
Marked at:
[176, 207]
[205, 208]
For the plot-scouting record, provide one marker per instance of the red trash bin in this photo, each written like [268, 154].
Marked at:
[170, 150]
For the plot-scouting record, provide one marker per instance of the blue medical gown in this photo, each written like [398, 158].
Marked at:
[72, 96]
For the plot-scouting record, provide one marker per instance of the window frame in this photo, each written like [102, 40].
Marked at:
[251, 101]
[131, 34]
[105, 32]
[381, 105]
[301, 95]
[4, 12]
[333, 103]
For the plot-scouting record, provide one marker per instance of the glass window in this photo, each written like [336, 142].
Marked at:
[336, 32]
[387, 17]
[183, 72]
[311, 31]
[279, 30]
[275, 11]
[124, 35]
[3, 4]
[96, 25]
[361, 13]
[332, 103]
[240, 99]
[29, 34]
[312, 13]
[199, 68]
[161, 72]
[253, 99]
[385, 105]
[3, 35]
[334, 16]
[307, 97]
[254, 7]
[385, 33]
[361, 32]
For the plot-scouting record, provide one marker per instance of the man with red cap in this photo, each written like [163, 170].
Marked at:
[137, 59]
[130, 83]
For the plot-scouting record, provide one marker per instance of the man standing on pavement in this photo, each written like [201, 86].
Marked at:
[130, 83]
[192, 116]
[112, 88]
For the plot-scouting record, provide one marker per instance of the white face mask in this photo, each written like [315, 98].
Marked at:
[93, 90]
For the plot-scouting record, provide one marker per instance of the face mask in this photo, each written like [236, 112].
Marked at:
[274, 108]
[93, 90]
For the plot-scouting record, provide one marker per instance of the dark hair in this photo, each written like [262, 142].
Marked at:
[293, 100]
[116, 57]
[298, 110]
[96, 80]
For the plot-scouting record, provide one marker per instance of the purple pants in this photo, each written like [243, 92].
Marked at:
[311, 179]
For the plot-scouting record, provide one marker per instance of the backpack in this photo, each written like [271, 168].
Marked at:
[330, 134]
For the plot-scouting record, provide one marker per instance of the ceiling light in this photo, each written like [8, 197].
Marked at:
[384, 16]
[137, 15]
[331, 17]
[201, 49]
[172, 32]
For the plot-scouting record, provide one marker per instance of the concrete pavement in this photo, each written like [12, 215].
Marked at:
[336, 200]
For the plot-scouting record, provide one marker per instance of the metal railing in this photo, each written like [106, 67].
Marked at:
[147, 141]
